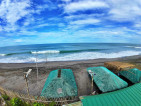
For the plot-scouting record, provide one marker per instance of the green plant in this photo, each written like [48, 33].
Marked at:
[38, 104]
[16, 102]
[52, 103]
[41, 104]
[27, 104]
[8, 103]
[5, 97]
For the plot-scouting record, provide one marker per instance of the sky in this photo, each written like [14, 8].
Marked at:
[69, 21]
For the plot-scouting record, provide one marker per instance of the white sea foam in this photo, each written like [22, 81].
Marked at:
[94, 55]
[129, 46]
[137, 47]
[74, 56]
[133, 46]
[47, 51]
[18, 60]
[2, 54]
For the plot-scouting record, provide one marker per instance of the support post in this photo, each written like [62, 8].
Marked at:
[26, 84]
[37, 68]
[59, 73]
[92, 84]
[46, 58]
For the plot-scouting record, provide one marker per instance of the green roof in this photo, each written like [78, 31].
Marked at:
[130, 96]
[134, 75]
[63, 86]
[105, 79]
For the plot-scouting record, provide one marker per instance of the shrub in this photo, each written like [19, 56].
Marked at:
[52, 103]
[16, 102]
[5, 97]
[38, 104]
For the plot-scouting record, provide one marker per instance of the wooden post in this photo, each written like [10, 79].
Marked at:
[26, 84]
[59, 73]
[46, 58]
[37, 68]
[92, 84]
[91, 73]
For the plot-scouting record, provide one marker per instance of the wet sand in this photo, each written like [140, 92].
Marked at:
[11, 74]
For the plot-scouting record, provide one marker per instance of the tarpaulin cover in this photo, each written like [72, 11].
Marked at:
[64, 86]
[105, 79]
[134, 75]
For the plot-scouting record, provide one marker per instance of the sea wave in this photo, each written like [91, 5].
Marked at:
[2, 54]
[137, 47]
[46, 51]
[8, 54]
[38, 52]
[17, 53]
[65, 51]
[129, 46]
[94, 55]
[51, 52]
[81, 50]
[133, 46]
[19, 60]
[71, 57]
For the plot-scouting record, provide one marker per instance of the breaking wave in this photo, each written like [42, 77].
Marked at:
[2, 54]
[94, 55]
[71, 57]
[46, 51]
[133, 47]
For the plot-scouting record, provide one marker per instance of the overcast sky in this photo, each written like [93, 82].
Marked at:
[69, 21]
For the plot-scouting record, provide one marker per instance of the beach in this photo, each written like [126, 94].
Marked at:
[12, 74]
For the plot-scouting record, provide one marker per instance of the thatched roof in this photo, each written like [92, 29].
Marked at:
[118, 66]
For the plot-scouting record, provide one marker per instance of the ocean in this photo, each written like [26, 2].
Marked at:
[66, 52]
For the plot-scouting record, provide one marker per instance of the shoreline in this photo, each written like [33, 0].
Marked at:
[22, 65]
[11, 74]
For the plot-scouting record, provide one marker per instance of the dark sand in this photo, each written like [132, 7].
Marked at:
[11, 75]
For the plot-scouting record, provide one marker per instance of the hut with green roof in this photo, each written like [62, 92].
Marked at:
[134, 75]
[130, 96]
[60, 83]
[105, 79]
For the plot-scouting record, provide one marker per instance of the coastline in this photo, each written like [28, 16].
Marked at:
[11, 74]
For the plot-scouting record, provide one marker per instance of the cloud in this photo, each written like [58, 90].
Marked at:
[137, 25]
[18, 40]
[83, 16]
[101, 33]
[43, 25]
[104, 19]
[116, 10]
[11, 12]
[66, 0]
[85, 21]
[84, 5]
[0, 28]
[123, 10]
[41, 8]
